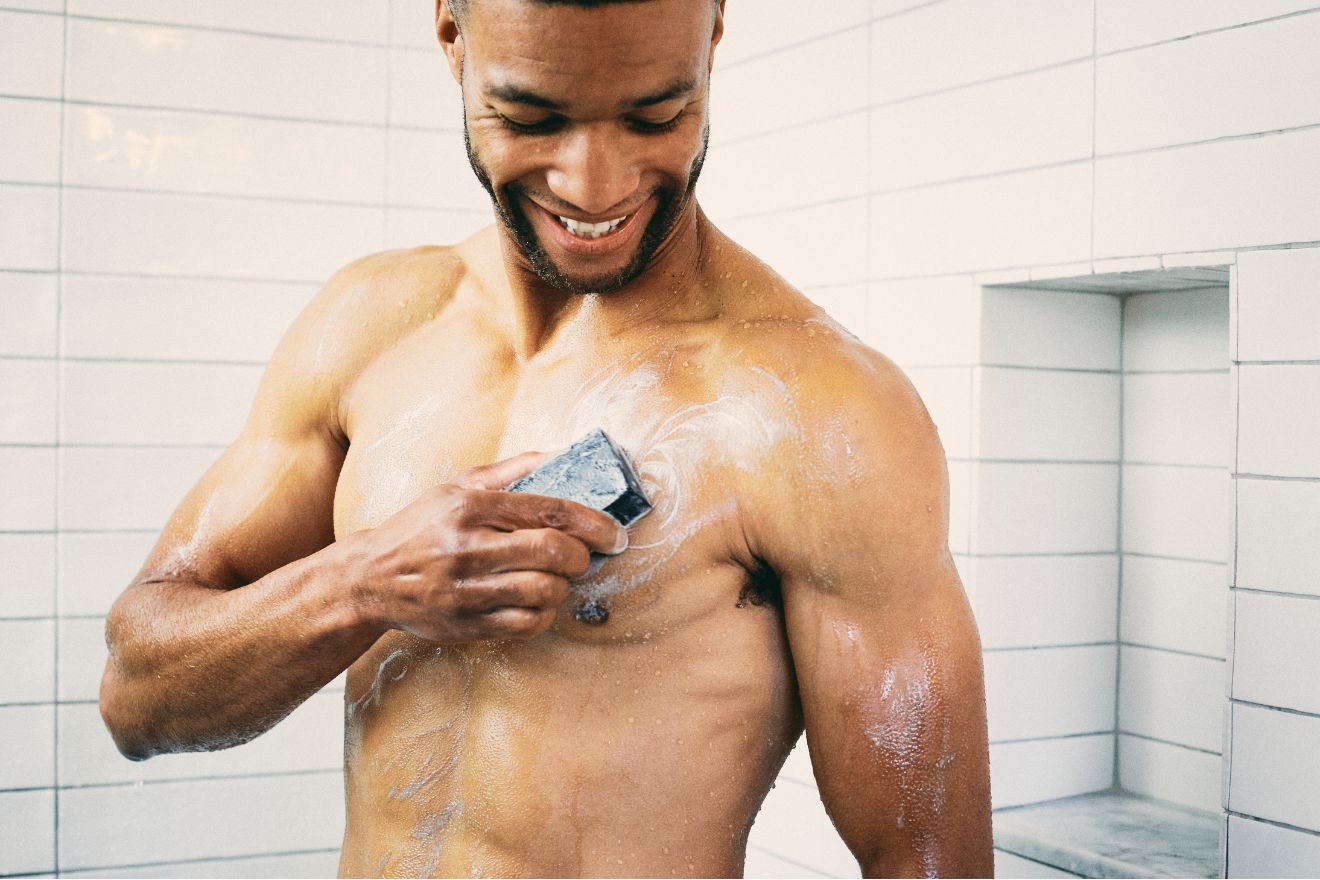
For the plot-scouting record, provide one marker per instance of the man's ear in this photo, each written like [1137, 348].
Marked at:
[715, 34]
[451, 41]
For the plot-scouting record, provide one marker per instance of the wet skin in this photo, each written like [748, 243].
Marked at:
[794, 573]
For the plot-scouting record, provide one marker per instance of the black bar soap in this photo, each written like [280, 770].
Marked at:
[593, 472]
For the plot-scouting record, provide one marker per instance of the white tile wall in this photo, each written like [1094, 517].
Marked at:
[1047, 415]
[127, 488]
[1181, 418]
[1023, 601]
[1276, 643]
[1045, 508]
[1125, 23]
[1041, 328]
[1277, 549]
[1278, 420]
[1040, 770]
[27, 314]
[754, 30]
[430, 169]
[931, 321]
[1168, 696]
[323, 863]
[26, 757]
[1279, 304]
[1049, 692]
[32, 60]
[29, 226]
[345, 20]
[1169, 772]
[1276, 766]
[30, 149]
[809, 246]
[27, 579]
[412, 23]
[793, 825]
[1260, 849]
[845, 303]
[28, 818]
[1176, 511]
[27, 651]
[423, 93]
[1250, 79]
[28, 475]
[1169, 603]
[27, 401]
[910, 53]
[94, 568]
[1175, 330]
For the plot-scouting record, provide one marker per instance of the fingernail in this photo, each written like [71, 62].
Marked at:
[620, 542]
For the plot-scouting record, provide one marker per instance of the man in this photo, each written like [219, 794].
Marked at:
[794, 572]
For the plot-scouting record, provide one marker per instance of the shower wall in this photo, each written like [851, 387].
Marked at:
[175, 181]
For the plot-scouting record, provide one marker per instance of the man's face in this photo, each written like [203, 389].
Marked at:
[587, 126]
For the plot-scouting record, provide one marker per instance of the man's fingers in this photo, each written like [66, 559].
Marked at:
[536, 590]
[545, 550]
[514, 622]
[511, 511]
[501, 473]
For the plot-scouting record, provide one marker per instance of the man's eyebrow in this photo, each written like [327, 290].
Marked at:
[517, 95]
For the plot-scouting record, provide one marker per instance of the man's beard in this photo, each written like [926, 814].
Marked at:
[669, 207]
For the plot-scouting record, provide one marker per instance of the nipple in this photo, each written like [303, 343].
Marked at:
[593, 612]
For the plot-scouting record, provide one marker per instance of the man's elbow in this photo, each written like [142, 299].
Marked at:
[127, 730]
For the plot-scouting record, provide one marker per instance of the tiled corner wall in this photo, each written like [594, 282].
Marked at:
[175, 181]
[904, 161]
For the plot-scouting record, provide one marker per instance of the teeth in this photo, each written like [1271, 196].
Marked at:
[590, 230]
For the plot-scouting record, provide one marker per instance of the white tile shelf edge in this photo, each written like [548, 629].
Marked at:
[1112, 834]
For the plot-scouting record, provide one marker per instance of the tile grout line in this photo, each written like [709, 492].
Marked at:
[1116, 780]
[59, 428]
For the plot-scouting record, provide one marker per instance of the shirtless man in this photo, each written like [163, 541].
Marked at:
[794, 573]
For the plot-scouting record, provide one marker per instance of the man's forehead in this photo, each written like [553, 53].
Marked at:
[639, 53]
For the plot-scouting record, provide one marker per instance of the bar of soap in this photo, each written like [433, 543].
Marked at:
[593, 472]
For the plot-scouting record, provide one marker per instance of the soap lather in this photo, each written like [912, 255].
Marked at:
[593, 472]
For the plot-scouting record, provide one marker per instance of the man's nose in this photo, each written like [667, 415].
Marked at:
[594, 170]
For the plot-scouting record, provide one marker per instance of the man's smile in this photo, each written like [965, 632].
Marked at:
[585, 238]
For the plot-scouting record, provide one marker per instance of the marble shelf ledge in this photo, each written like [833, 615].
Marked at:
[1112, 834]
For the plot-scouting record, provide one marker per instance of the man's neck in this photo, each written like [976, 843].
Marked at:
[542, 316]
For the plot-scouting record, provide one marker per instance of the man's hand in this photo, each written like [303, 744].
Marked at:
[467, 562]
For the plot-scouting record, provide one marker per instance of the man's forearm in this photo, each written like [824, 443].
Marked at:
[194, 668]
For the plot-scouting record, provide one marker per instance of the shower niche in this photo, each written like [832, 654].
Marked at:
[1098, 547]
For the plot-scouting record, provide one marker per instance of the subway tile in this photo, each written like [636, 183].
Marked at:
[82, 658]
[32, 62]
[164, 403]
[34, 5]
[816, 246]
[27, 401]
[29, 227]
[965, 226]
[1274, 644]
[125, 488]
[1176, 511]
[28, 500]
[185, 68]
[1045, 328]
[1041, 770]
[1169, 603]
[1046, 415]
[1259, 849]
[27, 578]
[1278, 420]
[323, 863]
[1009, 865]
[1177, 418]
[1049, 692]
[845, 304]
[310, 738]
[27, 651]
[910, 53]
[199, 235]
[947, 394]
[1225, 194]
[763, 863]
[1121, 24]
[423, 94]
[177, 319]
[756, 30]
[183, 151]
[412, 227]
[1045, 600]
[1234, 82]
[812, 80]
[1176, 330]
[412, 23]
[27, 758]
[28, 818]
[793, 825]
[30, 149]
[1279, 304]
[1169, 772]
[28, 314]
[925, 322]
[1276, 766]
[430, 169]
[1276, 545]
[1172, 697]
[349, 20]
[95, 568]
[820, 162]
[1024, 122]
[126, 825]
[1045, 508]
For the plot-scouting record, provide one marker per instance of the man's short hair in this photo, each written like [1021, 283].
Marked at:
[460, 7]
